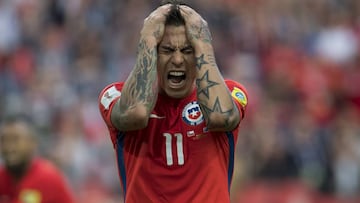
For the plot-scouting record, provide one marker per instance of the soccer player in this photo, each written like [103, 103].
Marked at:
[25, 178]
[174, 122]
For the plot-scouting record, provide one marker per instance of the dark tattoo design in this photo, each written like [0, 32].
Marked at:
[157, 33]
[212, 60]
[202, 32]
[200, 61]
[203, 84]
[205, 33]
[143, 78]
[216, 109]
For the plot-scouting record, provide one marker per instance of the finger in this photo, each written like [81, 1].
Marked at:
[164, 9]
[187, 9]
[184, 11]
[188, 12]
[160, 12]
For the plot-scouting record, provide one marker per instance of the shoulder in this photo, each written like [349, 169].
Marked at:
[47, 169]
[238, 91]
[233, 83]
[115, 85]
[5, 181]
[107, 100]
[110, 93]
[51, 181]
[2, 171]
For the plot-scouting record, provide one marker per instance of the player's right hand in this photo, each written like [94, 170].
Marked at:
[154, 24]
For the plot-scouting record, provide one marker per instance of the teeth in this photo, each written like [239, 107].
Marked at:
[176, 73]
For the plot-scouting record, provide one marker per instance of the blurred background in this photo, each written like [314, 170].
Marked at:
[299, 59]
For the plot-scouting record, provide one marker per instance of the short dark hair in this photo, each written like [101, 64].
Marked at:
[18, 118]
[174, 2]
[174, 16]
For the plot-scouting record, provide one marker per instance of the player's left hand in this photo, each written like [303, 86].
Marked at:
[196, 27]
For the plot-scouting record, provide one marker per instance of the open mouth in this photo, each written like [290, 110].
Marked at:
[176, 77]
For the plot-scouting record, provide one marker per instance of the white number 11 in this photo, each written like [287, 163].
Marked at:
[179, 147]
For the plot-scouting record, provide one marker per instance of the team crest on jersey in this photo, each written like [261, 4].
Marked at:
[240, 96]
[192, 114]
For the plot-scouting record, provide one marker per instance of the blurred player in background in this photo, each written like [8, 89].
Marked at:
[25, 178]
[174, 122]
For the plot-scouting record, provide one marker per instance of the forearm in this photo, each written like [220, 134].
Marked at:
[219, 110]
[140, 90]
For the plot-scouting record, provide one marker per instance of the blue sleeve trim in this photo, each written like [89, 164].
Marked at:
[231, 141]
[120, 160]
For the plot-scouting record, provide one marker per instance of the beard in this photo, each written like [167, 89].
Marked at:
[18, 170]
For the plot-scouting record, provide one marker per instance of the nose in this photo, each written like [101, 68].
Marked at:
[177, 58]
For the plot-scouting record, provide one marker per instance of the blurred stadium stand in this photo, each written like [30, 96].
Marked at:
[299, 59]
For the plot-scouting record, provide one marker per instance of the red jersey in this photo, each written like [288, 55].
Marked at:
[175, 158]
[42, 183]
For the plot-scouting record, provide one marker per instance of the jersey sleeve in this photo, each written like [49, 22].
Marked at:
[239, 95]
[107, 98]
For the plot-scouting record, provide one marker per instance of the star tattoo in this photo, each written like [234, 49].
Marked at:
[204, 84]
[216, 108]
[200, 61]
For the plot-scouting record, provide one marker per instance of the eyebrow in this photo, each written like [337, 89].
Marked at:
[186, 47]
[170, 47]
[165, 46]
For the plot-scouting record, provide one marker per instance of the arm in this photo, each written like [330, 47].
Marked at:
[139, 94]
[217, 105]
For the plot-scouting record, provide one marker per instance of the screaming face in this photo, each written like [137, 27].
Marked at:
[176, 63]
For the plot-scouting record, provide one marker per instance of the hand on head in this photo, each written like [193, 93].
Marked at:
[154, 24]
[196, 27]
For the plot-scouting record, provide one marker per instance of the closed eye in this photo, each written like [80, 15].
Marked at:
[166, 50]
[188, 50]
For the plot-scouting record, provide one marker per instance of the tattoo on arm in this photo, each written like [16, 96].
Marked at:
[200, 61]
[203, 84]
[142, 84]
[217, 106]
[205, 33]
[216, 109]
[201, 32]
[212, 60]
[157, 33]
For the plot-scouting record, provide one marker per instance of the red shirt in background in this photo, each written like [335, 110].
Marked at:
[42, 183]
